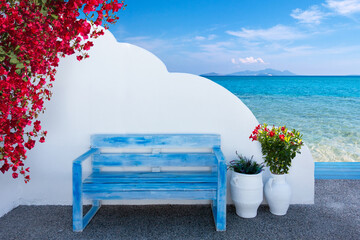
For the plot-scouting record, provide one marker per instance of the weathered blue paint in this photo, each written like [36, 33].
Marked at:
[171, 195]
[78, 223]
[133, 177]
[163, 159]
[220, 206]
[197, 185]
[337, 170]
[115, 187]
[155, 140]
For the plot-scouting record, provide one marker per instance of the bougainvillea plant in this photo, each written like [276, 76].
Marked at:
[34, 34]
[278, 145]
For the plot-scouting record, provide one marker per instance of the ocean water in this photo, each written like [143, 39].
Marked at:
[326, 110]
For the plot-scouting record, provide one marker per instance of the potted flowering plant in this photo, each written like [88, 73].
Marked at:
[279, 146]
[246, 185]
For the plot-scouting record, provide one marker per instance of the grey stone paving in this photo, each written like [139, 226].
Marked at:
[335, 215]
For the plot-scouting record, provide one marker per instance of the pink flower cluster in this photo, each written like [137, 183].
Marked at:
[33, 36]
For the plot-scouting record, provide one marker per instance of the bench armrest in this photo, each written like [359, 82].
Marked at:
[77, 170]
[219, 155]
[83, 157]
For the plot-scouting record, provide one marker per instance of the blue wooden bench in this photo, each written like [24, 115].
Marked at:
[152, 184]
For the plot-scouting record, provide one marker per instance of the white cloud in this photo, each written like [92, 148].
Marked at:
[312, 15]
[344, 7]
[201, 38]
[211, 36]
[278, 32]
[248, 60]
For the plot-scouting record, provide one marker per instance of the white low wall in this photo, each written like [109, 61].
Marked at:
[122, 88]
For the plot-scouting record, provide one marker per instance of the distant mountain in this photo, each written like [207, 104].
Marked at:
[211, 74]
[265, 72]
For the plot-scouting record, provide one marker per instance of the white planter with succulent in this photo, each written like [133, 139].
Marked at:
[279, 146]
[246, 186]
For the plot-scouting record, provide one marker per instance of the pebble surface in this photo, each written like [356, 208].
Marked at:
[335, 215]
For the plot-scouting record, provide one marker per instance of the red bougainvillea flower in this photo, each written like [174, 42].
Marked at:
[34, 35]
[283, 129]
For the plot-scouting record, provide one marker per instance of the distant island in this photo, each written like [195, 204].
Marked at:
[265, 72]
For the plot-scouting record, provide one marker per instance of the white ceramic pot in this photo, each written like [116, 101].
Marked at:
[246, 193]
[278, 194]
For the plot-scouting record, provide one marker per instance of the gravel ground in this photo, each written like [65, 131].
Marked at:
[335, 215]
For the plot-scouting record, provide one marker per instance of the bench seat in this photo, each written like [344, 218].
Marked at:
[155, 177]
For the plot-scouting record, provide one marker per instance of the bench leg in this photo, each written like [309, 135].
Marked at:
[219, 212]
[77, 212]
[91, 213]
[80, 222]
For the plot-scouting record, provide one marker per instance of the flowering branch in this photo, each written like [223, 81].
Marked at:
[34, 34]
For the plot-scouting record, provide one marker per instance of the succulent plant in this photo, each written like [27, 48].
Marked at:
[245, 165]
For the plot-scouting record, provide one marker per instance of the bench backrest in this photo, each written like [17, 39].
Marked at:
[157, 142]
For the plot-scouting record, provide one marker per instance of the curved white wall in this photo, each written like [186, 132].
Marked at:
[122, 88]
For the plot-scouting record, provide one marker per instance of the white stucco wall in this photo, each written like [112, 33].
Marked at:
[122, 88]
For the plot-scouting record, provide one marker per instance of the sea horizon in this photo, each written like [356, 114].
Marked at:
[325, 112]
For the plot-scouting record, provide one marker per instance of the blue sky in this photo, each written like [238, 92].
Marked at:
[305, 37]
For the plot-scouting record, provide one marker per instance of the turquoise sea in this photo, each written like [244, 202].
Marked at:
[326, 110]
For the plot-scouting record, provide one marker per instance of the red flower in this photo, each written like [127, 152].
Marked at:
[22, 100]
[271, 134]
[30, 144]
[15, 175]
[283, 129]
[37, 126]
[42, 139]
[282, 137]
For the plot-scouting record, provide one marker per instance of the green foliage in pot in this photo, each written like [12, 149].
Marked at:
[279, 146]
[245, 165]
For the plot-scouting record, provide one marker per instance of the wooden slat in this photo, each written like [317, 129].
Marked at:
[195, 195]
[122, 177]
[337, 170]
[158, 160]
[118, 187]
[155, 140]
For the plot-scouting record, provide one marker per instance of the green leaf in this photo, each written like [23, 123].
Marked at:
[54, 16]
[20, 65]
[14, 60]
